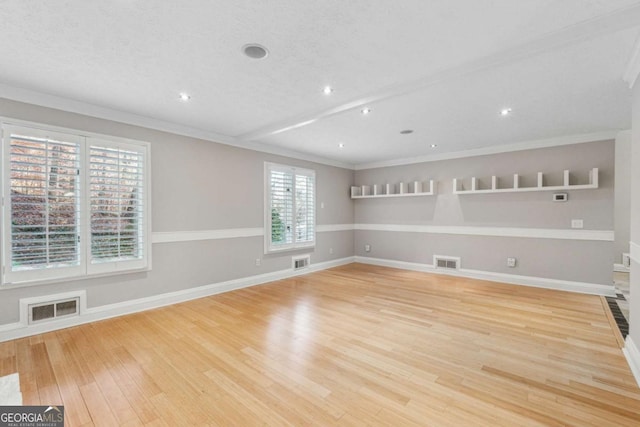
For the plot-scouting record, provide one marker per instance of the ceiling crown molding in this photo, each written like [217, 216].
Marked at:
[72, 106]
[633, 67]
[497, 149]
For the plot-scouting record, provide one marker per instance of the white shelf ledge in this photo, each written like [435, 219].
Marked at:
[567, 185]
[414, 189]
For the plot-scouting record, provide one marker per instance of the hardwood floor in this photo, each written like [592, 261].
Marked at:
[354, 345]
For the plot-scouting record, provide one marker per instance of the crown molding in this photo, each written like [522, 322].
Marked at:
[77, 107]
[73, 106]
[520, 146]
[633, 67]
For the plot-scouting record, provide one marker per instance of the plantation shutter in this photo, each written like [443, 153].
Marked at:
[73, 205]
[281, 186]
[44, 204]
[305, 208]
[116, 199]
[290, 208]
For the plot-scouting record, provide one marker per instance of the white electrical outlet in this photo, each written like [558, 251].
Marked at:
[577, 223]
[321, 205]
[330, 251]
[257, 262]
[367, 248]
[511, 262]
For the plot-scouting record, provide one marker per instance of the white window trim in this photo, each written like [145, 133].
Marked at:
[268, 247]
[127, 267]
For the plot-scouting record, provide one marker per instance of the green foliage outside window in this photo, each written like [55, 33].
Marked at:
[277, 227]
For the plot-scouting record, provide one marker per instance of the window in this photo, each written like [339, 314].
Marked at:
[73, 206]
[290, 214]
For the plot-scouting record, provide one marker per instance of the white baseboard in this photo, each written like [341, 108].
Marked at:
[632, 353]
[92, 314]
[538, 282]
[619, 268]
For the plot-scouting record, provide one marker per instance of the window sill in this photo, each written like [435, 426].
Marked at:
[272, 251]
[29, 283]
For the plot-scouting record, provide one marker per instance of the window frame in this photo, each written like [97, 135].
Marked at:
[269, 247]
[9, 279]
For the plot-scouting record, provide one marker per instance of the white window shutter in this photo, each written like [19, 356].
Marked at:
[281, 187]
[75, 206]
[289, 207]
[44, 213]
[305, 209]
[116, 192]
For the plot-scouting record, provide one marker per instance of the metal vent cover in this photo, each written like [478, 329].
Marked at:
[53, 310]
[301, 262]
[446, 262]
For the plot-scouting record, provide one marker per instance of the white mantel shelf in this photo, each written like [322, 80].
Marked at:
[593, 184]
[389, 190]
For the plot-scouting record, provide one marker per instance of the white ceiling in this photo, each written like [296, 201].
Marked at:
[442, 68]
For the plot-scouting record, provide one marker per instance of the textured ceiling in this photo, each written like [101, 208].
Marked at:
[442, 68]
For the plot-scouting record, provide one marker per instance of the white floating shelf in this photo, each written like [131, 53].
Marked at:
[593, 183]
[414, 189]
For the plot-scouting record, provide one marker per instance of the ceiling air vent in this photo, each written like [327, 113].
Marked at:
[53, 310]
[300, 262]
[446, 262]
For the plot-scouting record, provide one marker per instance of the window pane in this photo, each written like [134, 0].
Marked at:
[44, 203]
[116, 186]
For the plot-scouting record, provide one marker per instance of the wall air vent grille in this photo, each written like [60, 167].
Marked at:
[446, 262]
[53, 310]
[301, 262]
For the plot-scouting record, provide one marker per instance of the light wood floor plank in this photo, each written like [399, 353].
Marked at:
[355, 345]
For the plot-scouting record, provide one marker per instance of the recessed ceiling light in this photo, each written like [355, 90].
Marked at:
[505, 111]
[327, 90]
[255, 51]
[434, 145]
[184, 97]
[341, 145]
[366, 110]
[406, 131]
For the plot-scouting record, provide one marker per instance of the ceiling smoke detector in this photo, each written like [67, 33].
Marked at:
[255, 51]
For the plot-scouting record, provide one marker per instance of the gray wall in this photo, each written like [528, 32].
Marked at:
[200, 185]
[582, 261]
[196, 185]
[634, 303]
[622, 209]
